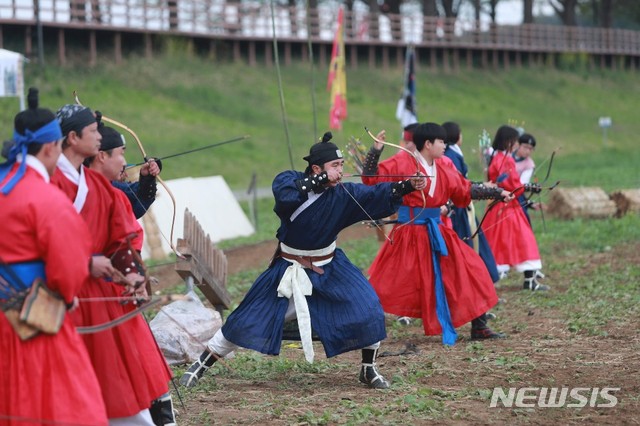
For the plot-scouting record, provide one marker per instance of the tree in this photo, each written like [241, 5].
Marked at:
[566, 11]
[451, 7]
[528, 12]
[429, 8]
[606, 13]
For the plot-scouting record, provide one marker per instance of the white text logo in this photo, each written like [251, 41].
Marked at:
[531, 397]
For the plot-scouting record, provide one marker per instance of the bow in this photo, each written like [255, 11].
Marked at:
[495, 202]
[489, 207]
[154, 300]
[528, 199]
[146, 159]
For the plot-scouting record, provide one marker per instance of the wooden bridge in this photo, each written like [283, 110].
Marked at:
[239, 32]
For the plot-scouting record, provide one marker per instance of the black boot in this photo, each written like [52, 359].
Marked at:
[369, 374]
[480, 329]
[195, 372]
[161, 411]
[530, 282]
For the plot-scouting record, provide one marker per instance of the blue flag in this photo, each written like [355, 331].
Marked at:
[406, 110]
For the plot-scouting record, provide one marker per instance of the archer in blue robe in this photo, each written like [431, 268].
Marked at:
[345, 311]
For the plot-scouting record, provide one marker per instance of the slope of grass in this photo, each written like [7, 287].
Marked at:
[179, 102]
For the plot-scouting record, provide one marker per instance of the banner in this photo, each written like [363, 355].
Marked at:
[337, 81]
[11, 83]
[406, 109]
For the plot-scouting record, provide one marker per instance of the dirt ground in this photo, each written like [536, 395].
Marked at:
[433, 383]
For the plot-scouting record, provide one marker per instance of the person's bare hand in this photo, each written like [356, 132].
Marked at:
[150, 168]
[101, 267]
[382, 135]
[419, 182]
[506, 196]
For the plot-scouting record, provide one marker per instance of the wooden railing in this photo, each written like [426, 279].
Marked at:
[203, 18]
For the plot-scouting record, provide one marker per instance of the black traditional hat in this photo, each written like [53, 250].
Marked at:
[323, 151]
[526, 138]
[111, 138]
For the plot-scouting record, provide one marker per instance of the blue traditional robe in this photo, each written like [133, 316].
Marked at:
[345, 311]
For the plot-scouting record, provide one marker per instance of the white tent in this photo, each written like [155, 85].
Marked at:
[209, 199]
[11, 72]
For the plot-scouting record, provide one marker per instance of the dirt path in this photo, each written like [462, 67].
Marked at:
[438, 384]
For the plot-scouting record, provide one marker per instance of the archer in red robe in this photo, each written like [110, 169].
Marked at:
[131, 371]
[506, 226]
[47, 379]
[424, 270]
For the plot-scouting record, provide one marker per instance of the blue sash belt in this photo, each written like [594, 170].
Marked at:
[19, 276]
[431, 218]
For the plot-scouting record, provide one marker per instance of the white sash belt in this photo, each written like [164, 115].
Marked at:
[296, 283]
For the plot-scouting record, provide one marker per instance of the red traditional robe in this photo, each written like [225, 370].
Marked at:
[505, 226]
[402, 272]
[131, 370]
[48, 378]
[138, 239]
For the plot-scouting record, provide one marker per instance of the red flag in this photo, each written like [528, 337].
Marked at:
[337, 81]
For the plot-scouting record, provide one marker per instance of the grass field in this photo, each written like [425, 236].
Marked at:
[177, 102]
[581, 334]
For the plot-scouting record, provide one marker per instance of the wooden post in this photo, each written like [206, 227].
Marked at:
[93, 54]
[237, 56]
[252, 53]
[372, 57]
[117, 47]
[148, 46]
[62, 58]
[268, 55]
[385, 58]
[445, 61]
[27, 42]
[287, 54]
[353, 50]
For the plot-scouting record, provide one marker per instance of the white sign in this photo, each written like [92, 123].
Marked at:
[11, 75]
[604, 122]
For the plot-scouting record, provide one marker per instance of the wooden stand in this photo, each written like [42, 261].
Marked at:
[204, 263]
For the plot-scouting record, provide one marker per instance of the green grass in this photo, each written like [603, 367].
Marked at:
[178, 102]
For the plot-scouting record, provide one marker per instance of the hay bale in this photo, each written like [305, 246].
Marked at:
[627, 201]
[584, 202]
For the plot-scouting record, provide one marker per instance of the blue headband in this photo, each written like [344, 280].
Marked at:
[50, 132]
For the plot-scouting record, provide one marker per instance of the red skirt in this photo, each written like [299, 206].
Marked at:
[47, 379]
[402, 276]
[130, 367]
[510, 235]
